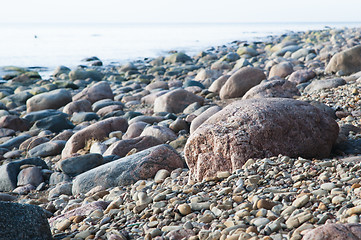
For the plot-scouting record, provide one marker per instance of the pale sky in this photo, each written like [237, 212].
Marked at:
[181, 11]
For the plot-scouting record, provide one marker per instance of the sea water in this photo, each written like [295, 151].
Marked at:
[51, 45]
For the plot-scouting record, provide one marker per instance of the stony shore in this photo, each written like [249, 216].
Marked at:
[250, 140]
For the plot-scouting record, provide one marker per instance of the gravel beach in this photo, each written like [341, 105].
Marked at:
[249, 140]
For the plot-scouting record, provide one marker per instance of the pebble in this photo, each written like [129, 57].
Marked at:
[328, 186]
[301, 201]
[184, 209]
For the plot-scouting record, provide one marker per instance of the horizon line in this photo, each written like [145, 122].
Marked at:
[149, 23]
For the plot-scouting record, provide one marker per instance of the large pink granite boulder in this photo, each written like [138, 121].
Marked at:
[258, 128]
[349, 231]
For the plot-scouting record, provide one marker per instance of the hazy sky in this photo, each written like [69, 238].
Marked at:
[179, 11]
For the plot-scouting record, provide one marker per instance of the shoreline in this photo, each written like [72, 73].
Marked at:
[247, 33]
[120, 152]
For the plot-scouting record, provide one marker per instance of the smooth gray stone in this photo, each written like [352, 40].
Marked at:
[58, 177]
[9, 172]
[54, 123]
[23, 221]
[35, 116]
[79, 164]
[15, 142]
[79, 117]
[51, 148]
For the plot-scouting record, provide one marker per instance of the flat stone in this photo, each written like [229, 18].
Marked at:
[128, 170]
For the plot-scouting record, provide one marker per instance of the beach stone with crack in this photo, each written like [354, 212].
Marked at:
[347, 61]
[15, 123]
[128, 170]
[122, 148]
[281, 70]
[96, 92]
[349, 231]
[324, 84]
[96, 131]
[274, 88]
[48, 100]
[33, 142]
[23, 221]
[175, 101]
[82, 105]
[258, 128]
[240, 82]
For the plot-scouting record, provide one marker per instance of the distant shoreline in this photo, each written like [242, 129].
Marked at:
[46, 38]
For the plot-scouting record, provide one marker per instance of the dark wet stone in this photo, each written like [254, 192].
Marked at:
[15, 142]
[55, 123]
[35, 116]
[79, 164]
[23, 221]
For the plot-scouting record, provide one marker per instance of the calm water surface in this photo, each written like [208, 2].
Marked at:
[50, 45]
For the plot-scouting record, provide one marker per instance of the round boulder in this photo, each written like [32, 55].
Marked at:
[240, 82]
[175, 101]
[281, 70]
[96, 92]
[348, 61]
[82, 105]
[48, 100]
[259, 128]
[301, 76]
[275, 88]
